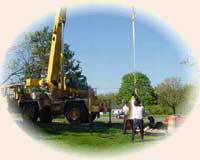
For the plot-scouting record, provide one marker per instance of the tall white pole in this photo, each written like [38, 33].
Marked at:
[134, 47]
[134, 39]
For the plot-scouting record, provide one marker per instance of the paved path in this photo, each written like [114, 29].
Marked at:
[114, 119]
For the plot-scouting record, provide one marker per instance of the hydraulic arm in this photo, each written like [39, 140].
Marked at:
[57, 47]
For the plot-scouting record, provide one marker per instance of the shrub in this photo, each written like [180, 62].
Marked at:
[158, 110]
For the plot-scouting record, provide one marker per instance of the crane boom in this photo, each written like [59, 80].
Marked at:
[56, 46]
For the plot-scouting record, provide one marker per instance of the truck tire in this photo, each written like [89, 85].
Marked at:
[30, 113]
[76, 112]
[45, 116]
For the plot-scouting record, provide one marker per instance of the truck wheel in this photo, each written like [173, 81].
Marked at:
[30, 113]
[76, 112]
[45, 116]
[73, 115]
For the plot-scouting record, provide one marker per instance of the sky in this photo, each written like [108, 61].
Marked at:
[101, 37]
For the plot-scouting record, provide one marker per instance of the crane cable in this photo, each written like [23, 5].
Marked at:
[134, 48]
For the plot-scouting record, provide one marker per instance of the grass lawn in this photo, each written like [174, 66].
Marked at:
[100, 137]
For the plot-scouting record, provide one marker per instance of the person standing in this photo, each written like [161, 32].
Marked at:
[137, 114]
[126, 113]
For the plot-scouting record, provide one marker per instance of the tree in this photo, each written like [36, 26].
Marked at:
[143, 85]
[189, 60]
[171, 93]
[190, 97]
[31, 54]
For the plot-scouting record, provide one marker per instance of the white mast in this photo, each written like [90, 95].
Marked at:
[134, 46]
[134, 39]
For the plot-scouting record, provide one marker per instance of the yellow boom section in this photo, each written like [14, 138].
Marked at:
[56, 46]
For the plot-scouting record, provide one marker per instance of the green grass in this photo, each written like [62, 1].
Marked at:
[100, 137]
[105, 115]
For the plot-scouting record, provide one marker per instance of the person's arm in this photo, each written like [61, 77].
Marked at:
[123, 109]
[126, 109]
[143, 112]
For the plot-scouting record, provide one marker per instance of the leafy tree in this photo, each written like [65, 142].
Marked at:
[190, 97]
[143, 85]
[171, 93]
[31, 54]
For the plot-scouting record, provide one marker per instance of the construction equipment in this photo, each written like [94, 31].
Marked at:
[57, 94]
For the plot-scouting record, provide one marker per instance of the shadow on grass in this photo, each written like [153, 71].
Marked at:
[60, 128]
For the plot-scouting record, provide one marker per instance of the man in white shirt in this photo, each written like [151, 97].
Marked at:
[137, 114]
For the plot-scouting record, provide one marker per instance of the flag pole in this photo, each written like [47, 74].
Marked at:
[134, 46]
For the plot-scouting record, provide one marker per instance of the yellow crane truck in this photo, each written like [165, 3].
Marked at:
[56, 94]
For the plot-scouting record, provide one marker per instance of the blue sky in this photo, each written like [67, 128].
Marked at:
[101, 37]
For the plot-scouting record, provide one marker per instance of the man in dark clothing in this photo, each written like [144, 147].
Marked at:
[137, 113]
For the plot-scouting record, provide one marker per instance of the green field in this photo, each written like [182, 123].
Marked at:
[99, 137]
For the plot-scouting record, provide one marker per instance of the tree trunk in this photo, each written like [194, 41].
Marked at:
[174, 109]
